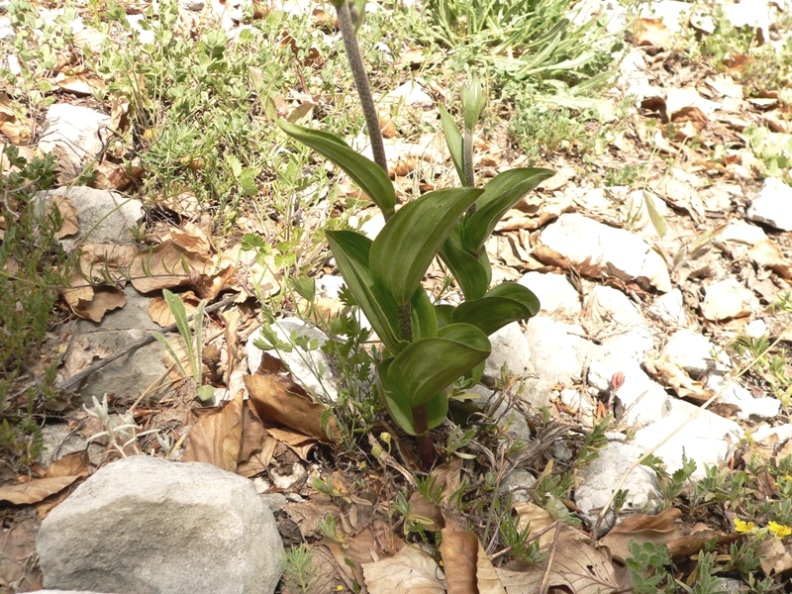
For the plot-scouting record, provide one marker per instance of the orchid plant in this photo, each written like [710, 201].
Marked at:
[428, 347]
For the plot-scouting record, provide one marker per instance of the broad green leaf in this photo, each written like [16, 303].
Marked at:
[500, 194]
[351, 251]
[506, 303]
[429, 365]
[444, 312]
[454, 141]
[471, 273]
[411, 239]
[424, 318]
[436, 412]
[371, 178]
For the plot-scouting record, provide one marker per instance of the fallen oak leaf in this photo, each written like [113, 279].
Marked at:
[285, 403]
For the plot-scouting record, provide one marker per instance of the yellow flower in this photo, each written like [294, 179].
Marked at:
[743, 527]
[779, 530]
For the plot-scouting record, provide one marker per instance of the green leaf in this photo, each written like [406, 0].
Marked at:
[424, 318]
[472, 274]
[371, 178]
[429, 365]
[454, 141]
[436, 408]
[351, 251]
[410, 240]
[500, 194]
[504, 304]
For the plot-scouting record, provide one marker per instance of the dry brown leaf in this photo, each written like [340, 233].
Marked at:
[288, 405]
[68, 213]
[651, 32]
[767, 254]
[672, 375]
[409, 570]
[540, 522]
[468, 569]
[641, 528]
[104, 299]
[192, 239]
[160, 313]
[166, 266]
[521, 582]
[774, 557]
[35, 490]
[79, 84]
[217, 436]
[11, 126]
[17, 554]
[296, 441]
[74, 464]
[575, 563]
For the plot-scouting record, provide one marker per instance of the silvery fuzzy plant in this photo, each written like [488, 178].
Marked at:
[428, 347]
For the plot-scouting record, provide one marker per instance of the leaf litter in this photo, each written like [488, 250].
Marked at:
[268, 414]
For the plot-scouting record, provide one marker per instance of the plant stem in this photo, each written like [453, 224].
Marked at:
[467, 158]
[405, 321]
[424, 439]
[362, 84]
[467, 164]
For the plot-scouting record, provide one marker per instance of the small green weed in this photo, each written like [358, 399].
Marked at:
[299, 575]
[32, 268]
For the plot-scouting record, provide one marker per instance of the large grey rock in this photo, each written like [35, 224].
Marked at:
[599, 250]
[144, 525]
[510, 349]
[558, 353]
[600, 478]
[699, 434]
[104, 216]
[556, 294]
[75, 135]
[130, 375]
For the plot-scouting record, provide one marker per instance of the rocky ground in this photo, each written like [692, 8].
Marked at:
[663, 265]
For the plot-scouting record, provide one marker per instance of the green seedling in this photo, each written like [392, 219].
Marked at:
[428, 347]
[193, 342]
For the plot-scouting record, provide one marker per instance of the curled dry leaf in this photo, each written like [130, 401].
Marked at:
[767, 254]
[282, 402]
[409, 570]
[468, 569]
[651, 32]
[641, 528]
[167, 266]
[217, 436]
[68, 213]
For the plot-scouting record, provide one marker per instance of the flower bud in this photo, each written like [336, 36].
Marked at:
[473, 101]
